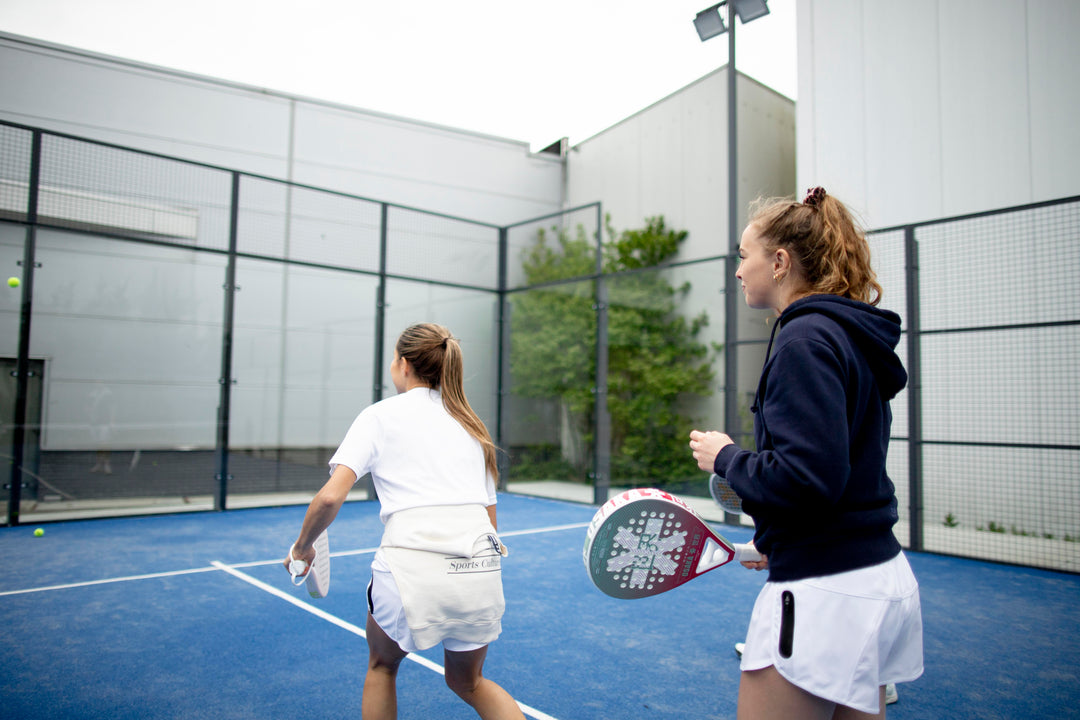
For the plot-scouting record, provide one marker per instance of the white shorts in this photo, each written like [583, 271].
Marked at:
[384, 604]
[840, 637]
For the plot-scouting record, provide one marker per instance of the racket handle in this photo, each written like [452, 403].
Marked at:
[746, 552]
[297, 569]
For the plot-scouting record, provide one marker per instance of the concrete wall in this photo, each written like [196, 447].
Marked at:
[269, 133]
[671, 159]
[931, 108]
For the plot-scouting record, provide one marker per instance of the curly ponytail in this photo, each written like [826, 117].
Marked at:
[824, 240]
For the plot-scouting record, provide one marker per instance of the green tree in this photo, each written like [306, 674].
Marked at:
[654, 357]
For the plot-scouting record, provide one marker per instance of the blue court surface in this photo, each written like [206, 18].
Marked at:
[192, 616]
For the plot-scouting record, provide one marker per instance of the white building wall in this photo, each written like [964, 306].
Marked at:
[264, 132]
[932, 108]
[670, 159]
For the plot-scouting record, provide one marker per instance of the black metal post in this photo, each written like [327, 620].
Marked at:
[380, 322]
[502, 374]
[226, 379]
[22, 363]
[731, 263]
[914, 389]
[602, 453]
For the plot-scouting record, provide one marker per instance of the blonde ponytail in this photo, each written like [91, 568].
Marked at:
[436, 357]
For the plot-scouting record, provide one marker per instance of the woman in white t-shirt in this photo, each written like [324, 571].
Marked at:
[437, 574]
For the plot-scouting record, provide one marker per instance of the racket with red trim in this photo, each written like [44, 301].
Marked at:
[646, 541]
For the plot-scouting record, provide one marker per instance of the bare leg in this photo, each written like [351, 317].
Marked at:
[380, 684]
[766, 694]
[464, 675]
[846, 713]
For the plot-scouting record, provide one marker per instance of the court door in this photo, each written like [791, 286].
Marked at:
[32, 437]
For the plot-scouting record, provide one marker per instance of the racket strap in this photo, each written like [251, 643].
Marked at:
[297, 569]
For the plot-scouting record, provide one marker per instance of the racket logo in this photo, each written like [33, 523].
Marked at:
[650, 546]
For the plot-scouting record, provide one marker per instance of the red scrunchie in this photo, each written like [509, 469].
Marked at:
[814, 196]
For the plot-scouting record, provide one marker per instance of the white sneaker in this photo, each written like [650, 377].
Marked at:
[891, 695]
[739, 647]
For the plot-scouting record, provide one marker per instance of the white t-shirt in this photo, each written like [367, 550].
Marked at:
[417, 454]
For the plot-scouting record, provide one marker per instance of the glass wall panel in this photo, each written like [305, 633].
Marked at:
[661, 373]
[472, 317]
[12, 239]
[432, 247]
[555, 248]
[303, 368]
[127, 337]
[550, 422]
[279, 220]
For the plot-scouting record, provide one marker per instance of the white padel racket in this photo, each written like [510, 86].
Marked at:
[724, 494]
[645, 542]
[317, 577]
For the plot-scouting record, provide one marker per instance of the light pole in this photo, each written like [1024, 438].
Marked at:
[709, 24]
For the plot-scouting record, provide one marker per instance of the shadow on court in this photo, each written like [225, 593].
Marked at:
[129, 618]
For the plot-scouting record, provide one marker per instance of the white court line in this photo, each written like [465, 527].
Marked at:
[88, 583]
[254, 563]
[346, 625]
[537, 531]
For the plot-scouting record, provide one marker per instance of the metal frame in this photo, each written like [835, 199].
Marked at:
[601, 466]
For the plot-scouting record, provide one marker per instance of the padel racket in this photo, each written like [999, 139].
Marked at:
[724, 494]
[645, 542]
[317, 577]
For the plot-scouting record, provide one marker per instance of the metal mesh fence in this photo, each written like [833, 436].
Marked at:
[999, 324]
[102, 189]
[153, 291]
[15, 148]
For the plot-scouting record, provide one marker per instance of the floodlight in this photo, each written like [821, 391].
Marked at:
[748, 10]
[709, 24]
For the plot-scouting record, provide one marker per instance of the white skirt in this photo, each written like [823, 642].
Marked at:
[384, 604]
[840, 637]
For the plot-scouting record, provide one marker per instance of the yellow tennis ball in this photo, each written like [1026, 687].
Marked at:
[13, 282]
[39, 532]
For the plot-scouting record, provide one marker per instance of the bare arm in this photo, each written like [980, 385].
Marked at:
[321, 512]
[491, 516]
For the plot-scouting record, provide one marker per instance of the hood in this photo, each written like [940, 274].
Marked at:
[875, 331]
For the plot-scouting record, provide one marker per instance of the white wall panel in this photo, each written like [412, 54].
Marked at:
[268, 133]
[903, 155]
[671, 159]
[1054, 77]
[984, 105]
[930, 108]
[423, 166]
[138, 106]
[836, 59]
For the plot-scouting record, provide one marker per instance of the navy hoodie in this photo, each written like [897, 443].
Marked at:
[816, 486]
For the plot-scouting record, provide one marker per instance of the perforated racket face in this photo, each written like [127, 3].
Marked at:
[724, 495]
[642, 543]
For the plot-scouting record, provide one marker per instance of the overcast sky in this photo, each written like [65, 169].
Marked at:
[528, 71]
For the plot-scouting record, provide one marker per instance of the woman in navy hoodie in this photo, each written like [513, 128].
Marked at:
[839, 617]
